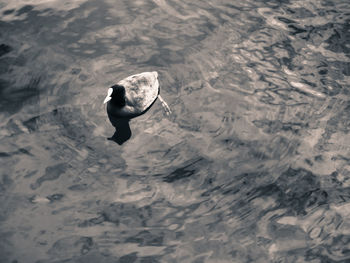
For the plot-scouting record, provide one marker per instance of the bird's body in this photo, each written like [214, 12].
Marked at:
[140, 92]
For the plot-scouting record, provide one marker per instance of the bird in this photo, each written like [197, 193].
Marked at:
[129, 98]
[134, 95]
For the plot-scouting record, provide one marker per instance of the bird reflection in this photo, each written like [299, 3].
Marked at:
[122, 129]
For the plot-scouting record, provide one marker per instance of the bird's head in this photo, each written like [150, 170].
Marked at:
[116, 94]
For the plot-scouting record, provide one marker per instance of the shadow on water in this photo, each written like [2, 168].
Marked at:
[122, 130]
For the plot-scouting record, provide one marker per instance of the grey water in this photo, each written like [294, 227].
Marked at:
[252, 165]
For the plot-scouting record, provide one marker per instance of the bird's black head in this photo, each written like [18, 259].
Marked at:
[118, 95]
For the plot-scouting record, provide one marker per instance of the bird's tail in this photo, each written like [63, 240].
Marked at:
[165, 105]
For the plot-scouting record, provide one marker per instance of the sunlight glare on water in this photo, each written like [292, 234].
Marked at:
[252, 165]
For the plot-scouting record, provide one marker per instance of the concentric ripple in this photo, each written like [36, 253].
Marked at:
[253, 164]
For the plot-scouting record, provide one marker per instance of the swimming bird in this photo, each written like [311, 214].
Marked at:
[129, 98]
[134, 95]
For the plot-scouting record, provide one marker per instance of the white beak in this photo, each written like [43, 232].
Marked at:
[107, 99]
[109, 93]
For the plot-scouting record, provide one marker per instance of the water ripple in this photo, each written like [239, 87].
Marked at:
[252, 165]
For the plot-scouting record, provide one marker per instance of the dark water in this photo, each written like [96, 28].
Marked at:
[253, 164]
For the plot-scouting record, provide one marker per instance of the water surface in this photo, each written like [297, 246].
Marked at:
[253, 164]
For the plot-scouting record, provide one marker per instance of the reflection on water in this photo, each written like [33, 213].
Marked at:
[253, 164]
[122, 130]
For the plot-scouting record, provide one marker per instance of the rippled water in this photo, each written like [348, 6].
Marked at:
[253, 164]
